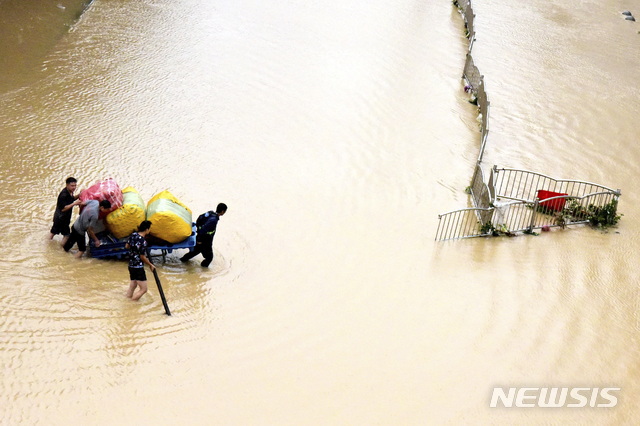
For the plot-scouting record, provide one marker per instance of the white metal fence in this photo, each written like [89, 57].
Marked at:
[461, 223]
[523, 185]
[523, 201]
[515, 200]
[467, 12]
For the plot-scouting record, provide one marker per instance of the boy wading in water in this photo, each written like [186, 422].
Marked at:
[137, 247]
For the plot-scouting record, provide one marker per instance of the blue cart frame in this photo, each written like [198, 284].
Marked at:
[110, 247]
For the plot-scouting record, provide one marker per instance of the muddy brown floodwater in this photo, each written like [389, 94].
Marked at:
[336, 132]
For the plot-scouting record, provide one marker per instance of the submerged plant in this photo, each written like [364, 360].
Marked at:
[574, 211]
[603, 216]
[489, 229]
[562, 219]
[606, 215]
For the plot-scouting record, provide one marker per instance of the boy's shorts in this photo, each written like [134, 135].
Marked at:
[137, 274]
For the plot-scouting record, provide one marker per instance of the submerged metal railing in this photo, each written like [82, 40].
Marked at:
[472, 74]
[475, 85]
[526, 216]
[463, 223]
[479, 190]
[467, 12]
[510, 199]
[523, 185]
[522, 215]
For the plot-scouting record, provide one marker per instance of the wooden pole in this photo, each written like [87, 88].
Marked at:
[164, 300]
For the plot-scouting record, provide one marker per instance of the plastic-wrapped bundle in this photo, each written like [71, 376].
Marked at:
[170, 219]
[123, 221]
[107, 189]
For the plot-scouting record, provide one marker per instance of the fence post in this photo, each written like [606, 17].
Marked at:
[533, 215]
[492, 188]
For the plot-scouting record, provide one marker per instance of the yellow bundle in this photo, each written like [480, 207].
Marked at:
[123, 221]
[170, 219]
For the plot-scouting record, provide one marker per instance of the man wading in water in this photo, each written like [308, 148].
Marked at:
[64, 208]
[85, 224]
[206, 224]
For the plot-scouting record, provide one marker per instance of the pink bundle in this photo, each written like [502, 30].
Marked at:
[107, 189]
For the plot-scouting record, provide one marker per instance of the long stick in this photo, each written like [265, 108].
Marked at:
[164, 300]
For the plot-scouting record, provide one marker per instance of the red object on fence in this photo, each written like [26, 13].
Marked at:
[555, 205]
[107, 189]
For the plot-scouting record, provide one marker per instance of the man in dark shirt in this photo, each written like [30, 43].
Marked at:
[64, 208]
[206, 225]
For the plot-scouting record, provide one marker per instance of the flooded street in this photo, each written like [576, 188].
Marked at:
[336, 132]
